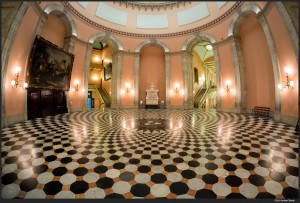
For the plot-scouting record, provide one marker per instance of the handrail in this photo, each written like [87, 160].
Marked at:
[95, 89]
[198, 92]
[201, 100]
[104, 90]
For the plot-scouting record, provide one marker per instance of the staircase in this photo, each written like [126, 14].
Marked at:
[200, 96]
[101, 94]
[105, 96]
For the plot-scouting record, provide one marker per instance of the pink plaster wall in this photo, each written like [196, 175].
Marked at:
[54, 30]
[20, 50]
[152, 69]
[128, 77]
[176, 77]
[227, 73]
[76, 98]
[287, 58]
[258, 64]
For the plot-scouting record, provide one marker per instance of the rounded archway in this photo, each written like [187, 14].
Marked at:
[113, 63]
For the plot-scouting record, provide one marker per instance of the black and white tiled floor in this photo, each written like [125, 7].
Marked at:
[150, 154]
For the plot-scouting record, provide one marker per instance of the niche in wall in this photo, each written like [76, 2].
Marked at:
[152, 70]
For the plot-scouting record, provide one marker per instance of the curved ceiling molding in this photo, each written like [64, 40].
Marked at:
[121, 21]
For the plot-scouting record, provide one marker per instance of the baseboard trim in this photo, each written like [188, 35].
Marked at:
[175, 107]
[290, 120]
[127, 107]
[75, 109]
[10, 120]
[228, 110]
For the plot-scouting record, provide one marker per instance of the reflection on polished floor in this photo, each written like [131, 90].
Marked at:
[150, 154]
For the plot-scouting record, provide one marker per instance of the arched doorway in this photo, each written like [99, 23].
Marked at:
[100, 73]
[205, 81]
[113, 65]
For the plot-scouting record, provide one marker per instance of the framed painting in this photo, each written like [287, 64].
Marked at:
[49, 66]
[107, 72]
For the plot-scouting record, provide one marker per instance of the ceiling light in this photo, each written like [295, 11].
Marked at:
[208, 47]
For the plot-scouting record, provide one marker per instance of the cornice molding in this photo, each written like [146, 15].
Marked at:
[175, 34]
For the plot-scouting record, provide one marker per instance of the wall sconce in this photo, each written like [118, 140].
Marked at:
[227, 89]
[16, 82]
[177, 89]
[288, 83]
[76, 88]
[127, 89]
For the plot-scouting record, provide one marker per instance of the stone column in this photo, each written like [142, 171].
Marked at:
[136, 78]
[275, 65]
[240, 76]
[117, 62]
[218, 78]
[69, 43]
[88, 54]
[167, 72]
[187, 80]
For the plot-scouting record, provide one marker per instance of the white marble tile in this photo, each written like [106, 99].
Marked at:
[35, 194]
[121, 187]
[196, 184]
[160, 190]
[10, 191]
[221, 189]
[112, 173]
[64, 195]
[248, 190]
[45, 177]
[94, 193]
[273, 187]
[174, 177]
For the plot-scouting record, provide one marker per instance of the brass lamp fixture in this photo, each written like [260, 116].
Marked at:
[127, 89]
[177, 89]
[17, 82]
[227, 89]
[76, 88]
[288, 83]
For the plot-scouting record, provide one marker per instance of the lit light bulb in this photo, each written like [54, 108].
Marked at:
[13, 83]
[25, 85]
[280, 86]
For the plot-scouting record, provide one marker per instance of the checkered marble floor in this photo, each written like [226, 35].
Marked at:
[150, 154]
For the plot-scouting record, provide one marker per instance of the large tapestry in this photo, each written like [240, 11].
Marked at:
[49, 66]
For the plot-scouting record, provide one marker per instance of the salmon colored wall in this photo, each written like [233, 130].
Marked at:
[258, 64]
[176, 77]
[227, 73]
[76, 98]
[152, 69]
[286, 56]
[20, 50]
[127, 77]
[54, 30]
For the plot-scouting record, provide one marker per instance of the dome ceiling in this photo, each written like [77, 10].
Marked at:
[152, 18]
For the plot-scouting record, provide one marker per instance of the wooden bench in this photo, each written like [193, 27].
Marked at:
[261, 111]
